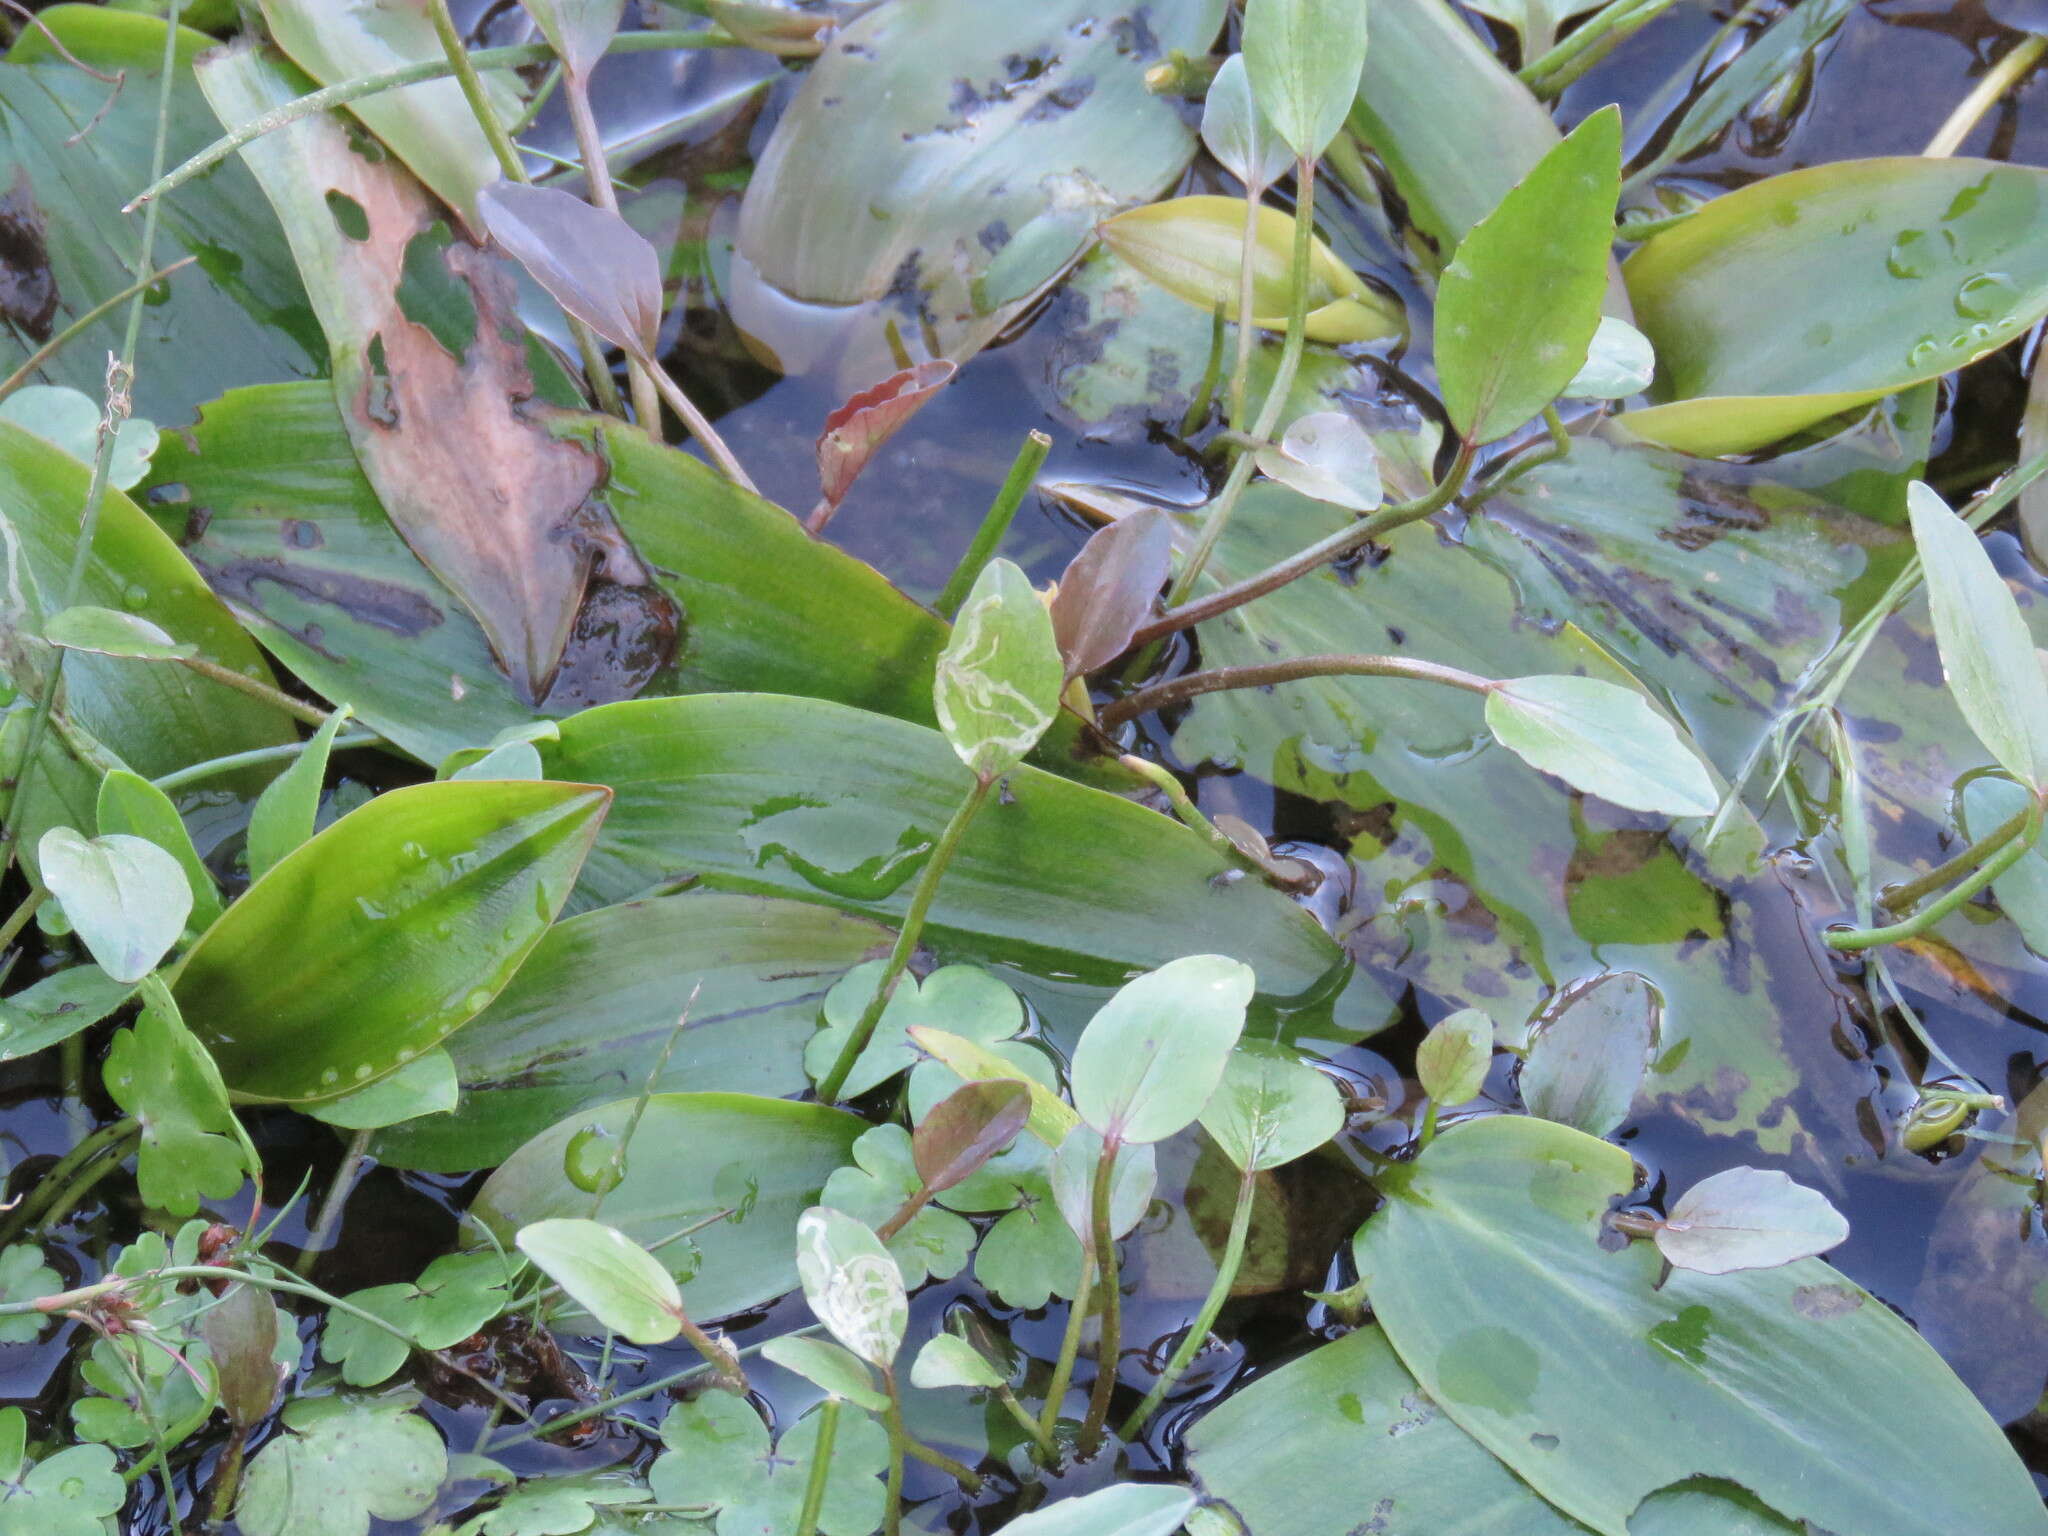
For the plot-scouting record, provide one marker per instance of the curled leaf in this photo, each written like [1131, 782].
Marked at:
[869, 418]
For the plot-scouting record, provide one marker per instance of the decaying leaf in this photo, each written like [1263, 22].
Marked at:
[869, 419]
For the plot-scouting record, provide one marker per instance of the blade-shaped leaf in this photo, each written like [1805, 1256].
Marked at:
[998, 681]
[1748, 1218]
[1603, 739]
[824, 1364]
[869, 418]
[595, 265]
[1153, 1054]
[1237, 133]
[1519, 304]
[852, 1283]
[109, 632]
[125, 896]
[578, 30]
[609, 1275]
[1589, 1053]
[426, 1085]
[1271, 1108]
[1987, 651]
[285, 812]
[967, 1128]
[1453, 1057]
[947, 1360]
[1108, 589]
[1304, 59]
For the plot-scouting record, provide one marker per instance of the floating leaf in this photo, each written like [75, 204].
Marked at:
[1454, 1056]
[966, 1129]
[965, 997]
[1193, 247]
[719, 1455]
[241, 1335]
[1987, 652]
[160, 1074]
[999, 678]
[72, 1492]
[1329, 457]
[1153, 1054]
[25, 1277]
[1748, 1218]
[1108, 589]
[109, 632]
[1237, 133]
[54, 1009]
[852, 1284]
[855, 432]
[578, 30]
[1587, 1057]
[339, 1462]
[592, 262]
[71, 420]
[2022, 891]
[453, 1298]
[1518, 306]
[1619, 363]
[1601, 738]
[1303, 59]
[1271, 1108]
[948, 1360]
[552, 1505]
[1131, 1183]
[609, 1275]
[825, 1364]
[1130, 1509]
[132, 806]
[126, 898]
[286, 810]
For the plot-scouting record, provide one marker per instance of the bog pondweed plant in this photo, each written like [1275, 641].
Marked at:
[907, 1080]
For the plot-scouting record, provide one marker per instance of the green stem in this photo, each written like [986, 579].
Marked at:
[213, 767]
[51, 1186]
[1188, 685]
[72, 1195]
[1241, 365]
[345, 91]
[1572, 58]
[19, 917]
[1070, 1349]
[1205, 393]
[821, 1468]
[1047, 1451]
[730, 1374]
[84, 322]
[590, 145]
[2000, 78]
[906, 940]
[1344, 541]
[1903, 898]
[1198, 1330]
[345, 1175]
[995, 522]
[1428, 1132]
[906, 1212]
[263, 692]
[900, 1435]
[1168, 784]
[1220, 510]
[892, 1493]
[1110, 1344]
[1559, 447]
[1912, 927]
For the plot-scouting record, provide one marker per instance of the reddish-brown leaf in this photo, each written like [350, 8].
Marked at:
[1107, 591]
[869, 419]
[967, 1128]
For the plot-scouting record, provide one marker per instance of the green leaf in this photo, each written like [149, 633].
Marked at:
[338, 1463]
[285, 811]
[693, 1157]
[425, 1085]
[1031, 1255]
[513, 760]
[453, 1298]
[933, 1244]
[1237, 133]
[950, 1361]
[1303, 59]
[1130, 1509]
[1518, 306]
[126, 898]
[1535, 22]
[1586, 1060]
[1805, 294]
[1619, 363]
[110, 632]
[73, 1492]
[577, 29]
[719, 1455]
[23, 1277]
[1748, 1218]
[1328, 456]
[1987, 652]
[966, 998]
[158, 1072]
[1454, 1055]
[852, 1284]
[132, 806]
[372, 942]
[609, 1275]
[2022, 891]
[825, 1364]
[1131, 1184]
[1486, 1270]
[998, 682]
[557, 1505]
[56, 1008]
[1601, 738]
[1271, 1108]
[1153, 1054]
[1051, 1117]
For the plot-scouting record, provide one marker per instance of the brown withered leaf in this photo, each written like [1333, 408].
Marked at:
[868, 419]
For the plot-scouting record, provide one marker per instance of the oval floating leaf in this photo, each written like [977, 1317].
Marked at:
[869, 419]
[1193, 248]
[109, 632]
[372, 942]
[126, 898]
[967, 1128]
[1987, 651]
[1619, 363]
[998, 681]
[1304, 59]
[1603, 739]
[1271, 1108]
[1587, 1058]
[1518, 306]
[1238, 134]
[852, 1283]
[825, 1364]
[1153, 1054]
[1129, 1509]
[948, 1360]
[592, 262]
[1454, 1056]
[1108, 589]
[609, 1275]
[1327, 456]
[1748, 1218]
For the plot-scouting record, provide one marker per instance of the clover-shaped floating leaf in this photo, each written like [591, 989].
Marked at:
[1329, 456]
[110, 632]
[852, 1283]
[869, 418]
[1602, 738]
[607, 1274]
[74, 1492]
[1152, 1055]
[131, 805]
[1271, 1108]
[1303, 59]
[1987, 652]
[23, 1277]
[1453, 1057]
[557, 1505]
[71, 418]
[159, 1073]
[578, 30]
[998, 681]
[964, 998]
[1131, 1184]
[1619, 363]
[1588, 1055]
[1748, 1218]
[1128, 1509]
[932, 1244]
[339, 1463]
[1237, 133]
[454, 1297]
[948, 1360]
[824, 1364]
[719, 1454]
[1108, 589]
[592, 262]
[126, 898]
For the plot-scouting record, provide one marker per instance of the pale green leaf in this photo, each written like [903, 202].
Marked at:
[998, 681]
[1128, 1509]
[1601, 738]
[837, 1370]
[338, 1463]
[1271, 1108]
[950, 1361]
[609, 1275]
[1588, 1055]
[286, 810]
[1454, 1055]
[1748, 1218]
[1329, 456]
[1153, 1054]
[126, 898]
[852, 1283]
[1304, 59]
[110, 632]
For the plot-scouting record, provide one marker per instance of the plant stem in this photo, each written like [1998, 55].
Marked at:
[1198, 1330]
[1169, 785]
[345, 1174]
[639, 1110]
[1343, 542]
[345, 91]
[906, 940]
[71, 332]
[263, 692]
[1070, 1348]
[1110, 1343]
[698, 423]
[729, 1371]
[18, 918]
[1241, 365]
[1570, 59]
[1927, 917]
[906, 1212]
[995, 522]
[2000, 78]
[51, 1186]
[899, 1432]
[72, 1195]
[1190, 685]
[821, 1469]
[1205, 392]
[1903, 898]
[590, 144]
[1220, 510]
[1030, 1426]
[1427, 1134]
[214, 766]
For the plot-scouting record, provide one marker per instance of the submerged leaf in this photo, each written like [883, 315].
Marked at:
[1329, 457]
[1601, 738]
[1587, 1058]
[856, 430]
[1748, 1218]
